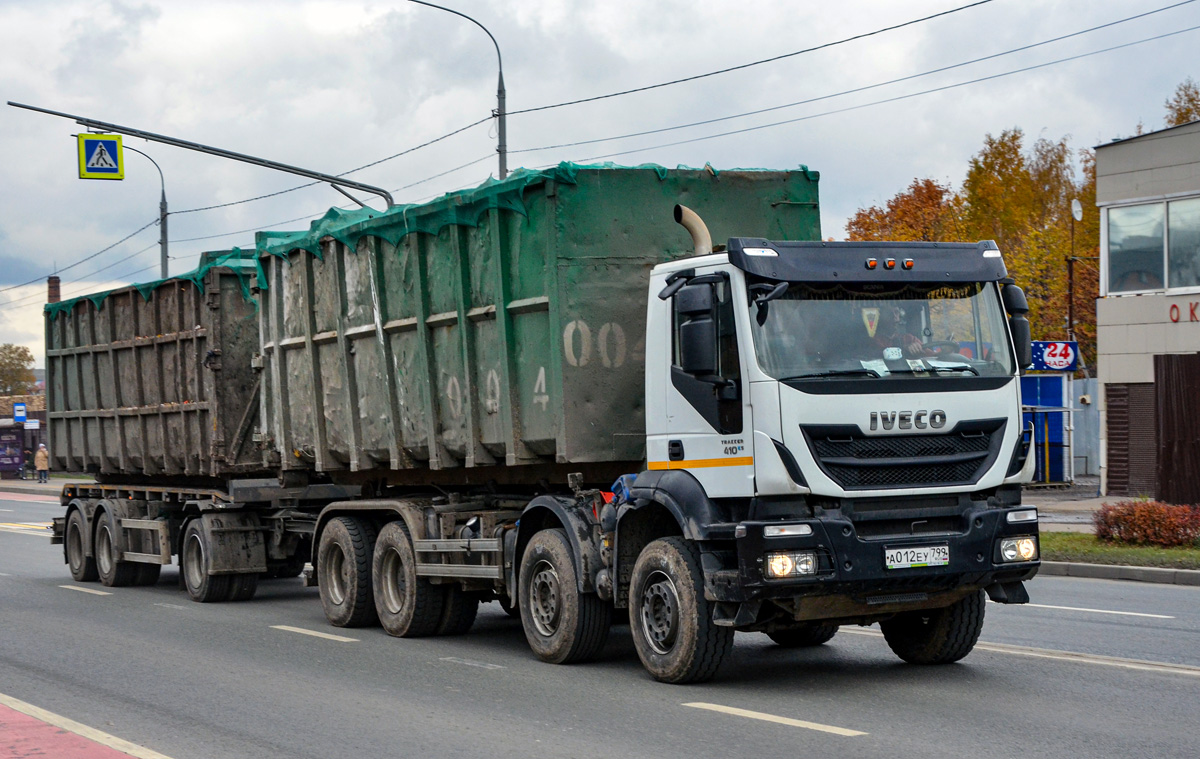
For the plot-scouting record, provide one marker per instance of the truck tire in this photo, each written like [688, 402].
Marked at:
[344, 572]
[803, 636]
[113, 572]
[147, 574]
[669, 617]
[193, 568]
[243, 587]
[561, 624]
[936, 636]
[408, 606]
[459, 608]
[83, 567]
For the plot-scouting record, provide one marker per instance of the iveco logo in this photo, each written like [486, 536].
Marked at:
[906, 420]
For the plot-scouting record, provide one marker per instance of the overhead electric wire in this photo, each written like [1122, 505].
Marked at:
[856, 89]
[82, 260]
[343, 174]
[83, 277]
[739, 67]
[885, 100]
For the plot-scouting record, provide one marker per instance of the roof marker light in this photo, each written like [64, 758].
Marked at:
[908, 263]
[871, 263]
[889, 263]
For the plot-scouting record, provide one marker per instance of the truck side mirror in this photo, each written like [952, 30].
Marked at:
[1017, 306]
[697, 333]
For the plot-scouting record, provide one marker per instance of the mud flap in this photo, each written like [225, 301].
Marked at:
[235, 543]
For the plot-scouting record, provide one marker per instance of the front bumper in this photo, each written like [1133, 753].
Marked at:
[852, 565]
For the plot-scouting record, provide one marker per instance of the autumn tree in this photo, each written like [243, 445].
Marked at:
[926, 211]
[1184, 106]
[16, 369]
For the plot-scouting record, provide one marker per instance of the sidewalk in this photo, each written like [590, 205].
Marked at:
[51, 488]
[1067, 509]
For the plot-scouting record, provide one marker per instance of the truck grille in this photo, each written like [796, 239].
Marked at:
[858, 462]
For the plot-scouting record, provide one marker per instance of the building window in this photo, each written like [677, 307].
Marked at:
[1183, 241]
[1135, 248]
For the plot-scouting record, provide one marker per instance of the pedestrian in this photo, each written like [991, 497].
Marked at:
[27, 465]
[42, 462]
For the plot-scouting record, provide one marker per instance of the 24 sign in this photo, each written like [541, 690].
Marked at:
[1055, 356]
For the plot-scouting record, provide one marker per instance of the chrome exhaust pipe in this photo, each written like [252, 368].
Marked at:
[691, 221]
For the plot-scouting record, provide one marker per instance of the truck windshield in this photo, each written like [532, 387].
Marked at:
[870, 330]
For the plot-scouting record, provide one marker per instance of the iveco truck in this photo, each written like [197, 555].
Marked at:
[545, 393]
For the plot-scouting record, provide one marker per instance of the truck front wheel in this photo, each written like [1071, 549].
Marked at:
[669, 617]
[936, 636]
[408, 606]
[344, 571]
[561, 624]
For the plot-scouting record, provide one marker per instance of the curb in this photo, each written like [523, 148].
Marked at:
[14, 486]
[1161, 575]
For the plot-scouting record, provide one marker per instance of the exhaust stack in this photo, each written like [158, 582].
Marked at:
[691, 221]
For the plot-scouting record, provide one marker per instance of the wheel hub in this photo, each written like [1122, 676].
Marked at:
[75, 546]
[194, 562]
[660, 612]
[544, 599]
[104, 550]
[395, 584]
[334, 576]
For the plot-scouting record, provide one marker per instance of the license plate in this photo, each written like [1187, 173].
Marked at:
[916, 556]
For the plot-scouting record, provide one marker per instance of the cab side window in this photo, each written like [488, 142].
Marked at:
[706, 367]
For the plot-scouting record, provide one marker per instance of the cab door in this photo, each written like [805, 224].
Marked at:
[708, 421]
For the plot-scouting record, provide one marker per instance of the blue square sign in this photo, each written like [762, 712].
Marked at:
[19, 412]
[100, 156]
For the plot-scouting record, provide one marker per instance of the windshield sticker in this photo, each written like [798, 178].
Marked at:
[877, 366]
[917, 367]
[871, 319]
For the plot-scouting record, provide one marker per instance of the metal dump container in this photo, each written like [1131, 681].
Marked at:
[156, 379]
[496, 333]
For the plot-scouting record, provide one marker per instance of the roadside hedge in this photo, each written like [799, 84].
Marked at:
[1148, 523]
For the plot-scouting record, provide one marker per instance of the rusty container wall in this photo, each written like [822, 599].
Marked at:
[501, 342]
[158, 385]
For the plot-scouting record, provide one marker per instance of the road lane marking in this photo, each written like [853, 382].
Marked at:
[70, 725]
[86, 590]
[5, 574]
[1097, 611]
[1073, 656]
[471, 663]
[7, 510]
[314, 633]
[171, 606]
[774, 718]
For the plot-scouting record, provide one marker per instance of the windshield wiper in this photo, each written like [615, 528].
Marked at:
[835, 373]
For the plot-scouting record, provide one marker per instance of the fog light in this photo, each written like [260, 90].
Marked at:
[791, 564]
[1019, 549]
[786, 530]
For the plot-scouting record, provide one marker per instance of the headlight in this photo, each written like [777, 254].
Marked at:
[791, 564]
[1019, 549]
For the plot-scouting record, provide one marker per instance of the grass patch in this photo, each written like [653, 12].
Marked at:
[1082, 547]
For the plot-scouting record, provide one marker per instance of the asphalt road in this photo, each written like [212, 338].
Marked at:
[212, 681]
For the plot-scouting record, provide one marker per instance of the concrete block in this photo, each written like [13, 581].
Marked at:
[1095, 571]
[1149, 574]
[1054, 568]
[1187, 577]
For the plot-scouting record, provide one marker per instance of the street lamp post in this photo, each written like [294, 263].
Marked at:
[501, 131]
[162, 212]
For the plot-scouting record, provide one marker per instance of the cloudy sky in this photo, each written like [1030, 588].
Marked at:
[335, 85]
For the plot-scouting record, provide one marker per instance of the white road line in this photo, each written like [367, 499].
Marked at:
[91, 733]
[86, 590]
[5, 574]
[314, 633]
[1100, 611]
[171, 606]
[773, 718]
[37, 533]
[1073, 656]
[471, 663]
[8, 510]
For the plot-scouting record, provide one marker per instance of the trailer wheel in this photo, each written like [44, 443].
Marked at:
[561, 624]
[113, 572]
[83, 567]
[803, 636]
[193, 568]
[344, 572]
[936, 636]
[243, 587]
[408, 606]
[459, 608]
[148, 574]
[669, 617]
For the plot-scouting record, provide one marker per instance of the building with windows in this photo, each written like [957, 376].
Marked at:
[1148, 314]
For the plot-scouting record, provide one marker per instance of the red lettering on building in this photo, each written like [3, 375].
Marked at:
[1192, 312]
[1174, 312]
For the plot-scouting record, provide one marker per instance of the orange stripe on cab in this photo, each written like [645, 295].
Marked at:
[701, 463]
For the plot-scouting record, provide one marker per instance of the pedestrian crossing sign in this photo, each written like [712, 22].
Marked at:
[100, 156]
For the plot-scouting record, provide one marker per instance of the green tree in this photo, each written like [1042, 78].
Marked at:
[1184, 106]
[16, 369]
